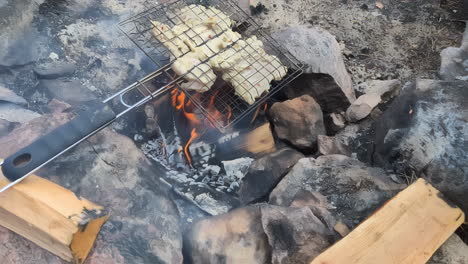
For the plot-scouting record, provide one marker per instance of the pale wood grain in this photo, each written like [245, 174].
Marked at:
[408, 229]
[50, 216]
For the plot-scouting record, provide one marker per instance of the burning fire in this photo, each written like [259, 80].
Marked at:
[198, 123]
[193, 136]
[182, 103]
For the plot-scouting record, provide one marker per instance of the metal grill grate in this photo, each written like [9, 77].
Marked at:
[221, 96]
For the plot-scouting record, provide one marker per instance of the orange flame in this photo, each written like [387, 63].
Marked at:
[193, 136]
[180, 102]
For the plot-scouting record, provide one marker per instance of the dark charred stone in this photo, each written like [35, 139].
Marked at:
[295, 235]
[354, 189]
[332, 145]
[258, 9]
[269, 234]
[54, 70]
[425, 131]
[265, 173]
[217, 238]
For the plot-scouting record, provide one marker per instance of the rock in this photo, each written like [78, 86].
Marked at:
[258, 234]
[69, 91]
[353, 189]
[454, 250]
[454, 61]
[5, 127]
[424, 131]
[362, 107]
[56, 106]
[387, 89]
[9, 96]
[304, 115]
[358, 139]
[218, 239]
[15, 249]
[295, 235]
[26, 133]
[341, 229]
[54, 70]
[265, 173]
[14, 113]
[109, 169]
[23, 43]
[331, 145]
[325, 78]
[334, 122]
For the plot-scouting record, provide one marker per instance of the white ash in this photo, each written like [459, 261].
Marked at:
[211, 205]
[237, 168]
[180, 177]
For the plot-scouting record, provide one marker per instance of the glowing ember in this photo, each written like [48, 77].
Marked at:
[193, 136]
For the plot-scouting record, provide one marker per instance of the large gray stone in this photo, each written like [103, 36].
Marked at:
[259, 233]
[235, 237]
[22, 43]
[362, 107]
[109, 169]
[54, 70]
[352, 188]
[325, 78]
[295, 235]
[265, 173]
[454, 61]
[425, 131]
[298, 121]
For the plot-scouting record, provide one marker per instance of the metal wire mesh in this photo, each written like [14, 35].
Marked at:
[220, 103]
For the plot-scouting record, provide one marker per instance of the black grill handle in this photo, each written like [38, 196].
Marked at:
[49, 146]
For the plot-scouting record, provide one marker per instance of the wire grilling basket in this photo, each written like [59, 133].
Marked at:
[221, 95]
